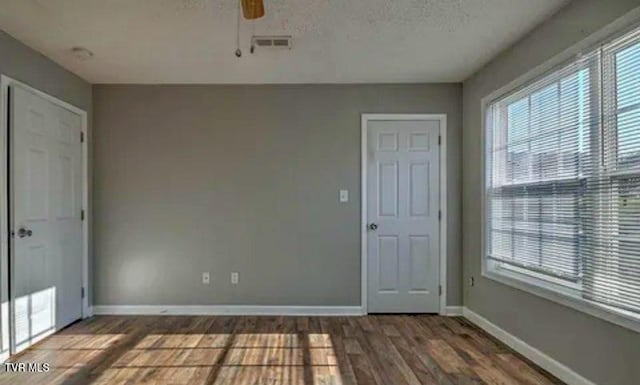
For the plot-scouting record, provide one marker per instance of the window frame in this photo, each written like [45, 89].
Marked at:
[547, 287]
[499, 107]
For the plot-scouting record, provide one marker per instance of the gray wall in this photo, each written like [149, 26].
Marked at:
[244, 178]
[602, 352]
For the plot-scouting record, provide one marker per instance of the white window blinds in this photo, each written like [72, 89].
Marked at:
[563, 176]
[612, 260]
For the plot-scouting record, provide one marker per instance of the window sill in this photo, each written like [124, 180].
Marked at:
[563, 297]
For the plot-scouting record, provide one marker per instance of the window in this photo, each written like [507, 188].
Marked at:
[563, 179]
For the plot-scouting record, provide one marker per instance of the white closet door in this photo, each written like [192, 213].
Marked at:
[403, 208]
[45, 202]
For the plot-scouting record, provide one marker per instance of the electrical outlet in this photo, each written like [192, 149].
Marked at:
[206, 278]
[472, 281]
[344, 196]
[234, 278]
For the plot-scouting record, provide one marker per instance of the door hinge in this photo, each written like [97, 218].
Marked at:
[82, 292]
[440, 290]
[82, 215]
[81, 137]
[439, 140]
[439, 215]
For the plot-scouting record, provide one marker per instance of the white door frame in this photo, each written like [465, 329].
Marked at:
[442, 118]
[5, 82]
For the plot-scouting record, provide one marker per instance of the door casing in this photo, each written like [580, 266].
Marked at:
[365, 119]
[6, 327]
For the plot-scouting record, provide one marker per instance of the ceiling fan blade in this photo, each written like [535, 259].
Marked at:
[252, 9]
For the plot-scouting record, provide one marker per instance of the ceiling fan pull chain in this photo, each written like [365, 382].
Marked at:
[253, 33]
[238, 51]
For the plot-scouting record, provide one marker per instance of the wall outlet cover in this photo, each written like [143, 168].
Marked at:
[344, 196]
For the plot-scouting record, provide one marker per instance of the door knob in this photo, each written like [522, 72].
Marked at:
[373, 227]
[22, 232]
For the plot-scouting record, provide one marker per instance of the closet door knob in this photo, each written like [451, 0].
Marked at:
[23, 232]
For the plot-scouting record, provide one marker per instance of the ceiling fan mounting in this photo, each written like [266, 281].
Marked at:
[252, 9]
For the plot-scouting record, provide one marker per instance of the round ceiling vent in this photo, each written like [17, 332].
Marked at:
[81, 53]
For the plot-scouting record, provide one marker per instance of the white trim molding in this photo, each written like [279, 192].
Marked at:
[229, 310]
[546, 362]
[453, 311]
[442, 118]
[564, 297]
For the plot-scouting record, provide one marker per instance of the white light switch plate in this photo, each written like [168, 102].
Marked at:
[206, 278]
[344, 196]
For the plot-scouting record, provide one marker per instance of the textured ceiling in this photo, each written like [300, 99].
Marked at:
[335, 41]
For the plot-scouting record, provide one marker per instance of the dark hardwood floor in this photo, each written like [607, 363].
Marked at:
[380, 350]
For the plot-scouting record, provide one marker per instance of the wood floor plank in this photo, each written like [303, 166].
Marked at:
[378, 373]
[420, 370]
[276, 350]
[340, 367]
[387, 329]
[418, 335]
[525, 373]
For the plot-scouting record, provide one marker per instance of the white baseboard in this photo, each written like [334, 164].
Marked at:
[88, 312]
[552, 366]
[453, 311]
[228, 310]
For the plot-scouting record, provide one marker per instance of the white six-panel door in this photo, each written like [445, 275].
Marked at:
[403, 197]
[45, 201]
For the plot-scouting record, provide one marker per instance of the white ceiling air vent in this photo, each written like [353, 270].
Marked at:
[271, 42]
